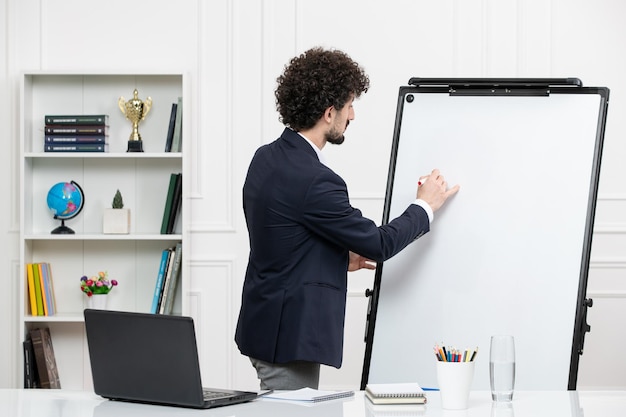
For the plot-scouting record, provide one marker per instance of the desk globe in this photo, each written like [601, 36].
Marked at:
[65, 200]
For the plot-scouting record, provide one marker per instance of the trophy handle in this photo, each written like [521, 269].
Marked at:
[147, 105]
[121, 103]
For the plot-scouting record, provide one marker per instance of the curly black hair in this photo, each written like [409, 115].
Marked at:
[314, 81]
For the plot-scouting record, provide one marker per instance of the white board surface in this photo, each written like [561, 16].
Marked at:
[503, 255]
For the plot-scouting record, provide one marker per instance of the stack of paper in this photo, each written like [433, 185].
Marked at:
[401, 393]
[308, 395]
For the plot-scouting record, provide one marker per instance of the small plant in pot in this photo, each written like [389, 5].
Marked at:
[118, 201]
[116, 220]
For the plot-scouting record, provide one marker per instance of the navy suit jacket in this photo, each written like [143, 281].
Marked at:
[301, 226]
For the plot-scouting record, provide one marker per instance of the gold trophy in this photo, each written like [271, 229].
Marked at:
[135, 110]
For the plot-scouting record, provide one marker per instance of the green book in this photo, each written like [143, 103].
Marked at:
[176, 203]
[168, 203]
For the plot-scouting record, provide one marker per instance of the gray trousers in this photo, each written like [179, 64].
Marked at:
[287, 376]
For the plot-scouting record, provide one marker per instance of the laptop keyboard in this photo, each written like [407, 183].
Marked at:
[208, 394]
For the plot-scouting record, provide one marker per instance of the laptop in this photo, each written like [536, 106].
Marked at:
[150, 358]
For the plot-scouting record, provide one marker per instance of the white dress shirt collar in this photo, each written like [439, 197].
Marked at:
[317, 150]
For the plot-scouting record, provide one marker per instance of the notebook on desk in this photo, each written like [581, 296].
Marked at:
[150, 358]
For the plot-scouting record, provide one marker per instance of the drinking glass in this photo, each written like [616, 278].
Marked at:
[502, 367]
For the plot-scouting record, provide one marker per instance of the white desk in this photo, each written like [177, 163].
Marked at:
[63, 403]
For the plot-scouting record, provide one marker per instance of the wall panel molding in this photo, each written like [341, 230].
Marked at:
[211, 294]
[607, 294]
[609, 228]
[212, 153]
[13, 304]
[607, 262]
[612, 197]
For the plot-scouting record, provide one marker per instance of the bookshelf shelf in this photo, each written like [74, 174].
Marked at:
[82, 237]
[57, 318]
[132, 259]
[105, 155]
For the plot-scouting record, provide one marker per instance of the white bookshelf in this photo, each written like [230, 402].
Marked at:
[142, 178]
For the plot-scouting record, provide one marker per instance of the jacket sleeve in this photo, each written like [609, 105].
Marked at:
[328, 213]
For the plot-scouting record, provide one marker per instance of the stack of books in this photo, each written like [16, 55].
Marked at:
[167, 280]
[76, 133]
[40, 368]
[40, 289]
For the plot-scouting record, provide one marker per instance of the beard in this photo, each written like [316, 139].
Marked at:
[334, 136]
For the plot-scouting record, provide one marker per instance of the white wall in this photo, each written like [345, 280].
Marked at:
[234, 50]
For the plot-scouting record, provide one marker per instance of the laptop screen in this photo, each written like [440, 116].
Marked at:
[144, 357]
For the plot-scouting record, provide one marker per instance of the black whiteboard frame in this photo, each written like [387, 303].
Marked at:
[501, 87]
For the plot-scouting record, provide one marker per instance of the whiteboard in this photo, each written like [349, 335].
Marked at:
[509, 253]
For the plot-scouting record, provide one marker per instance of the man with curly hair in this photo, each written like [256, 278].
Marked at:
[304, 234]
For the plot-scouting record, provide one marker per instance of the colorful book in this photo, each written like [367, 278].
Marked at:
[173, 281]
[45, 290]
[44, 295]
[77, 147]
[166, 280]
[76, 130]
[178, 127]
[44, 271]
[54, 299]
[158, 287]
[44, 358]
[170, 131]
[79, 119]
[38, 292]
[168, 203]
[30, 279]
[73, 138]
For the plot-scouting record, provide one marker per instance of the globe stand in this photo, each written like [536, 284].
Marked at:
[62, 230]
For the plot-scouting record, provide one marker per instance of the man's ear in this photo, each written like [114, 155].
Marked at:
[328, 114]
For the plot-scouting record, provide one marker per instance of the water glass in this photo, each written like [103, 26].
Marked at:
[502, 409]
[502, 367]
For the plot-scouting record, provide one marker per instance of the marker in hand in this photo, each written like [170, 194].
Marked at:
[421, 181]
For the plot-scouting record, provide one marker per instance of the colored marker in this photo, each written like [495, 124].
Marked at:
[454, 355]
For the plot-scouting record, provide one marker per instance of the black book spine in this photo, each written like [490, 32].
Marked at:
[176, 203]
[170, 130]
[31, 376]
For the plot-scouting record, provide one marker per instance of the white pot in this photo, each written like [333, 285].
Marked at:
[98, 301]
[116, 221]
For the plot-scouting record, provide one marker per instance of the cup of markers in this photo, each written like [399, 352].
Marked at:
[455, 373]
[454, 355]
